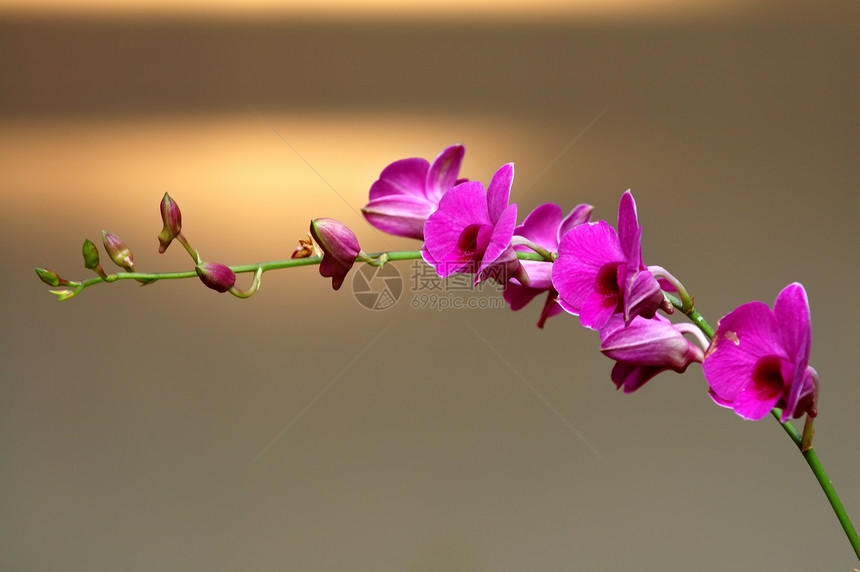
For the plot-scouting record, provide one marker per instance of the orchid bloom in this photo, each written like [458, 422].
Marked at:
[758, 358]
[543, 226]
[471, 231]
[645, 348]
[340, 248]
[600, 272]
[409, 190]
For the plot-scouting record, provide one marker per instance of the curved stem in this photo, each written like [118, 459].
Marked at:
[686, 299]
[195, 256]
[255, 285]
[824, 482]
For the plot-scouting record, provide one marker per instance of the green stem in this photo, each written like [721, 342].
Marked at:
[686, 299]
[826, 485]
[693, 314]
[149, 277]
[195, 256]
[544, 253]
[699, 320]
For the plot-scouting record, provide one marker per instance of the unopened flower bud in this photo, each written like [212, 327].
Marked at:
[339, 246]
[91, 254]
[172, 219]
[49, 277]
[216, 276]
[118, 251]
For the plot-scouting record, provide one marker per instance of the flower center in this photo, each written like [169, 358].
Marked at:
[606, 282]
[767, 377]
[468, 241]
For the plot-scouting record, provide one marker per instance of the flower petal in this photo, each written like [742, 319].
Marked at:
[463, 205]
[719, 400]
[756, 400]
[403, 177]
[581, 214]
[466, 254]
[334, 269]
[632, 377]
[499, 192]
[583, 252]
[567, 307]
[596, 310]
[504, 268]
[642, 295]
[401, 215]
[518, 295]
[629, 232]
[550, 308]
[743, 336]
[651, 342]
[792, 313]
[541, 226]
[500, 241]
[443, 172]
[540, 273]
[808, 401]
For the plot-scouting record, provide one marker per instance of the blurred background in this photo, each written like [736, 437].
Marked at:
[172, 428]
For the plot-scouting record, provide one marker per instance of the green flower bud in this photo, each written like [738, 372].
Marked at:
[91, 255]
[49, 277]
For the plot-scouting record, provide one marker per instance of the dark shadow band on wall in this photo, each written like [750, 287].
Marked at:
[52, 66]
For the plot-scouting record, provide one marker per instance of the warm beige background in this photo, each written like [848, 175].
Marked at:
[132, 418]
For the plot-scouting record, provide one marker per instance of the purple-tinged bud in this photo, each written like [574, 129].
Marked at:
[216, 276]
[339, 246]
[172, 219]
[118, 251]
[91, 255]
[646, 348]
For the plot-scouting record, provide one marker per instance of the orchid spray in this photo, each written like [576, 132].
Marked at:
[755, 362]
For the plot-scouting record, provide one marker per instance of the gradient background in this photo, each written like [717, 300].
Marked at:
[139, 425]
